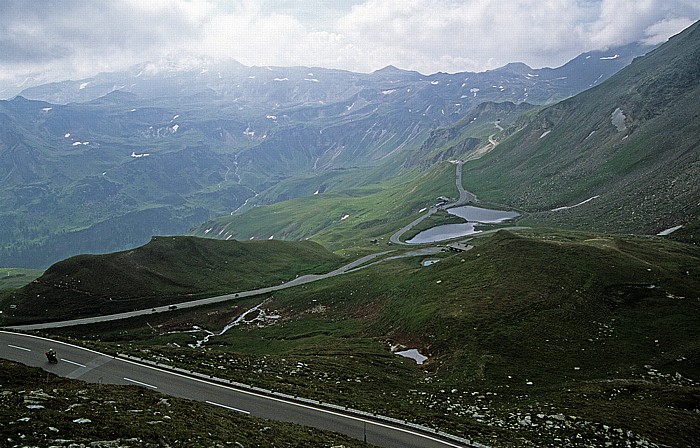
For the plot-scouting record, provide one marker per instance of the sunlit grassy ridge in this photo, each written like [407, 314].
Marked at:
[13, 278]
[342, 219]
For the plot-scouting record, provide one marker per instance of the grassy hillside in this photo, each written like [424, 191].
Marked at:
[340, 220]
[543, 338]
[128, 416]
[166, 270]
[464, 139]
[13, 278]
[632, 143]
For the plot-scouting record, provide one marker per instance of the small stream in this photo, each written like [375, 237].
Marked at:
[242, 318]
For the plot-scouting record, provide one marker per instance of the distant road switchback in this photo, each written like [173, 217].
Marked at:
[465, 197]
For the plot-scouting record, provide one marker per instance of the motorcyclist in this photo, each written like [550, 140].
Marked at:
[51, 355]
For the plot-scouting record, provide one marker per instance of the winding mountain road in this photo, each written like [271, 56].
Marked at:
[91, 366]
[464, 198]
[357, 264]
[88, 365]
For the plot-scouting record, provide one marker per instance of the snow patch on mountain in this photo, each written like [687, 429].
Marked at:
[669, 231]
[618, 120]
[414, 355]
[576, 205]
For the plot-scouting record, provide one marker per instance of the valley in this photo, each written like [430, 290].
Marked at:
[136, 153]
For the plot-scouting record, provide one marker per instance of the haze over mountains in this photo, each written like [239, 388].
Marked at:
[619, 157]
[104, 163]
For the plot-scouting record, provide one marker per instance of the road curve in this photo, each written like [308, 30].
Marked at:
[464, 198]
[91, 366]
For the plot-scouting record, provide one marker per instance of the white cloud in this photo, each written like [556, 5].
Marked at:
[660, 31]
[77, 38]
[481, 33]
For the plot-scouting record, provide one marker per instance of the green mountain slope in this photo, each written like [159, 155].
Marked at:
[470, 136]
[576, 331]
[166, 270]
[632, 144]
[340, 219]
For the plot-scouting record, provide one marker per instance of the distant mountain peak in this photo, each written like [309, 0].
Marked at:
[515, 67]
[393, 71]
[388, 69]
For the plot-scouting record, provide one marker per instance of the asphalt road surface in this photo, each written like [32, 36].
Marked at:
[87, 365]
[357, 264]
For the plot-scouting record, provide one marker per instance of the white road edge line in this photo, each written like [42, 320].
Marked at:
[73, 362]
[351, 417]
[19, 348]
[281, 400]
[227, 407]
[140, 383]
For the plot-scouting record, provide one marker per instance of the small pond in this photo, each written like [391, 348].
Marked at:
[482, 215]
[473, 216]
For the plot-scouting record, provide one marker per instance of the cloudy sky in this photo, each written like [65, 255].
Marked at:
[45, 40]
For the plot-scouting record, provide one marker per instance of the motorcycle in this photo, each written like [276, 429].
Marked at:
[51, 357]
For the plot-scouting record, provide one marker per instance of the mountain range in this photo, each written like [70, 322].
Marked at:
[620, 157]
[104, 163]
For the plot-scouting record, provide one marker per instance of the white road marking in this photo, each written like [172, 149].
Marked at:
[227, 407]
[140, 383]
[300, 405]
[73, 362]
[325, 411]
[19, 348]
